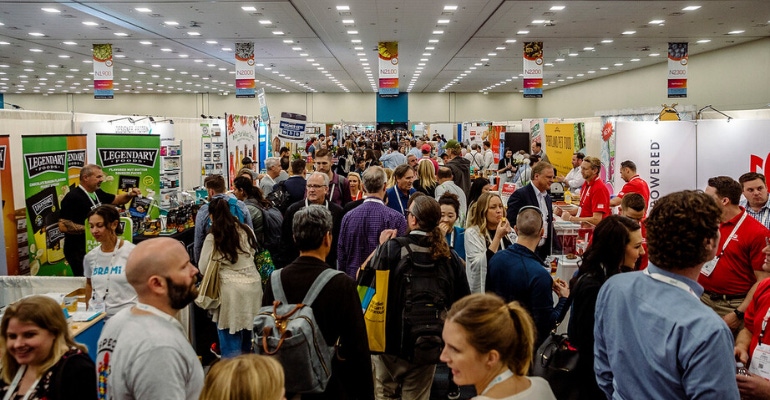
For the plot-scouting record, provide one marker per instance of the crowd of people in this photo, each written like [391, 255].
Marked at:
[665, 301]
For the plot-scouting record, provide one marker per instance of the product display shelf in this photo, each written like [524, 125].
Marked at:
[170, 173]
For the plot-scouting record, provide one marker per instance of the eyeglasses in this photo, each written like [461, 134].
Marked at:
[316, 186]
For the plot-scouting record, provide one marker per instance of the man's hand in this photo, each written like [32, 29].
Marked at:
[560, 288]
[67, 226]
[741, 355]
[732, 320]
[753, 387]
[388, 234]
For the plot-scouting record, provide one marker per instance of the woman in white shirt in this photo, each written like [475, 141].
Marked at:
[485, 233]
[105, 266]
[489, 344]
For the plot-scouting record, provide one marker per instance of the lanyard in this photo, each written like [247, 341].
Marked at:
[398, 197]
[452, 239]
[152, 310]
[670, 281]
[326, 203]
[331, 192]
[503, 376]
[15, 383]
[373, 199]
[729, 238]
[98, 203]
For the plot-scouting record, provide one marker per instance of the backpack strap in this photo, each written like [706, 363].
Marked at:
[277, 286]
[318, 285]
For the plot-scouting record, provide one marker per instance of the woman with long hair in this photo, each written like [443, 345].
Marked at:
[356, 188]
[450, 213]
[614, 248]
[232, 245]
[478, 187]
[506, 168]
[245, 191]
[40, 360]
[342, 167]
[486, 232]
[104, 267]
[246, 377]
[370, 158]
[426, 178]
[489, 344]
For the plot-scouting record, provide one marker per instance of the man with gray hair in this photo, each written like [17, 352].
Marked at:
[361, 227]
[269, 180]
[316, 189]
[337, 308]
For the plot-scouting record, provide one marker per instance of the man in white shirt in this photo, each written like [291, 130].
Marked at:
[489, 156]
[476, 158]
[574, 179]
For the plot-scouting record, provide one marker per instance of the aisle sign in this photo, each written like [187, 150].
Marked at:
[244, 70]
[102, 55]
[292, 127]
[677, 70]
[45, 184]
[533, 69]
[388, 63]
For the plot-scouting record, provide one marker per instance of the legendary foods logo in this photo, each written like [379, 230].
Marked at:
[143, 157]
[76, 158]
[41, 205]
[40, 163]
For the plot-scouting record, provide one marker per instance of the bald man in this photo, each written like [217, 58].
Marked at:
[143, 351]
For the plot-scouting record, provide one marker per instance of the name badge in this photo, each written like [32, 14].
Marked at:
[760, 361]
[708, 267]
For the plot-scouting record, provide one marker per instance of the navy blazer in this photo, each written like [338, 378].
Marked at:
[526, 196]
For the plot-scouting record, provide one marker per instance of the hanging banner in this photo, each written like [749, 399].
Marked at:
[664, 154]
[242, 141]
[76, 158]
[102, 55]
[130, 161]
[8, 220]
[388, 63]
[533, 69]
[677, 70]
[292, 127]
[244, 70]
[45, 184]
[263, 111]
[560, 144]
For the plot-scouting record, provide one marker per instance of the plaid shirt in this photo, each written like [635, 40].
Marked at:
[763, 216]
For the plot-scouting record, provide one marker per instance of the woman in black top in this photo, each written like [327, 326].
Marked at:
[506, 168]
[615, 247]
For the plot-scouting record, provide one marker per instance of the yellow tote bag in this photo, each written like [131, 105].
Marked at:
[376, 311]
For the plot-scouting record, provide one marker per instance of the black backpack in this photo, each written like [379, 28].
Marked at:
[279, 197]
[272, 223]
[425, 289]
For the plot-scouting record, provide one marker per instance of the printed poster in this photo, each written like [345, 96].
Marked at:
[102, 59]
[677, 70]
[76, 158]
[244, 70]
[533, 69]
[388, 63]
[242, 139]
[560, 144]
[8, 221]
[732, 148]
[292, 127]
[45, 184]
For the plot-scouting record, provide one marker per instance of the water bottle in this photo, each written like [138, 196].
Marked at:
[741, 369]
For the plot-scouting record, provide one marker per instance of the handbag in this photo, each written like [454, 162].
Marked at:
[263, 260]
[208, 291]
[556, 361]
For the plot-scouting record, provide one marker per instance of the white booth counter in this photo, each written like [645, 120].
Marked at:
[13, 288]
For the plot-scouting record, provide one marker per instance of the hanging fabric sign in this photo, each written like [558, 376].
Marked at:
[102, 55]
[244, 70]
[388, 59]
[677, 70]
[292, 127]
[533, 69]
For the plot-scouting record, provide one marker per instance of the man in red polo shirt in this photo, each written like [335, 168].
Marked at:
[634, 184]
[594, 195]
[729, 281]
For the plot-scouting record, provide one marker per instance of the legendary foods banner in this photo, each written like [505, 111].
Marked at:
[8, 220]
[677, 70]
[244, 70]
[76, 157]
[131, 161]
[102, 55]
[45, 184]
[388, 59]
[242, 141]
[533, 69]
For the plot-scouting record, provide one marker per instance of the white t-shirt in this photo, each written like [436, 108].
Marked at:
[107, 272]
[540, 390]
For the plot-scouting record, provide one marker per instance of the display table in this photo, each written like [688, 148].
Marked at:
[88, 332]
[186, 236]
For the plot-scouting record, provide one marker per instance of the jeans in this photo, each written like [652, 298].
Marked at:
[234, 344]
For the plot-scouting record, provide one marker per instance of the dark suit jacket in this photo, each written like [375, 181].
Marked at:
[526, 196]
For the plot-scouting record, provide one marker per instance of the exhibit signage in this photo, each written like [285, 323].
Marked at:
[533, 69]
[102, 60]
[677, 70]
[8, 220]
[388, 65]
[245, 77]
[292, 127]
[263, 111]
[561, 140]
[242, 141]
[732, 148]
[76, 157]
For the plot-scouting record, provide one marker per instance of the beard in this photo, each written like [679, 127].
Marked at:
[180, 296]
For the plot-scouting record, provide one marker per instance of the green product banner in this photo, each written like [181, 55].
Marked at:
[126, 228]
[45, 184]
[131, 161]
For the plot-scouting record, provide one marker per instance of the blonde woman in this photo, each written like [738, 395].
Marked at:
[486, 232]
[489, 344]
[356, 190]
[246, 377]
[426, 178]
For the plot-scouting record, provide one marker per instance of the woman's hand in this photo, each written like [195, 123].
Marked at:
[445, 228]
[753, 387]
[560, 288]
[503, 228]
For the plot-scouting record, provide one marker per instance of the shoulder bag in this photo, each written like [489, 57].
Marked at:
[208, 291]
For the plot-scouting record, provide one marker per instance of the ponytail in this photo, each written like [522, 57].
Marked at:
[521, 351]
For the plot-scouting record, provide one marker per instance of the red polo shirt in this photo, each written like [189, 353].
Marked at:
[594, 198]
[734, 272]
[636, 185]
[756, 312]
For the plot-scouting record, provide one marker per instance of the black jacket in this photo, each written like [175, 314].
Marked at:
[526, 196]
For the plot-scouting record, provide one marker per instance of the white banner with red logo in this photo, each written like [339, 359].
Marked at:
[732, 148]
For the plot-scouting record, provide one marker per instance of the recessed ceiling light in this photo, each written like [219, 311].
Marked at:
[491, 54]
[36, 34]
[690, 8]
[63, 56]
[356, 41]
[36, 50]
[618, 64]
[603, 68]
[184, 55]
[165, 49]
[143, 9]
[139, 61]
[476, 64]
[171, 23]
[592, 72]
[629, 32]
[656, 22]
[352, 32]
[265, 22]
[438, 32]
[430, 48]
[303, 54]
[433, 41]
[588, 48]
[297, 48]
[703, 41]
[557, 8]
[510, 41]
[450, 8]
[607, 41]
[194, 33]
[227, 49]
[443, 21]
[69, 43]
[559, 60]
[278, 33]
[573, 54]
[343, 8]
[121, 34]
[50, 10]
[4, 43]
[249, 8]
[522, 32]
[654, 54]
[28, 61]
[538, 21]
[729, 33]
[348, 21]
[634, 60]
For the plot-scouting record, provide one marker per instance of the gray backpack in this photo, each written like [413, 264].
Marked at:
[289, 333]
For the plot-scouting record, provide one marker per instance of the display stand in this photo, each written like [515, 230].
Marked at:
[170, 173]
[213, 153]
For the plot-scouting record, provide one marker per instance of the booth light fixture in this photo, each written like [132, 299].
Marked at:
[130, 119]
[699, 115]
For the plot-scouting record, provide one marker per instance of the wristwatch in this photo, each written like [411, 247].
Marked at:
[739, 314]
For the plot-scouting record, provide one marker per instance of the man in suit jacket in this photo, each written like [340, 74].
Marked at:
[536, 194]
